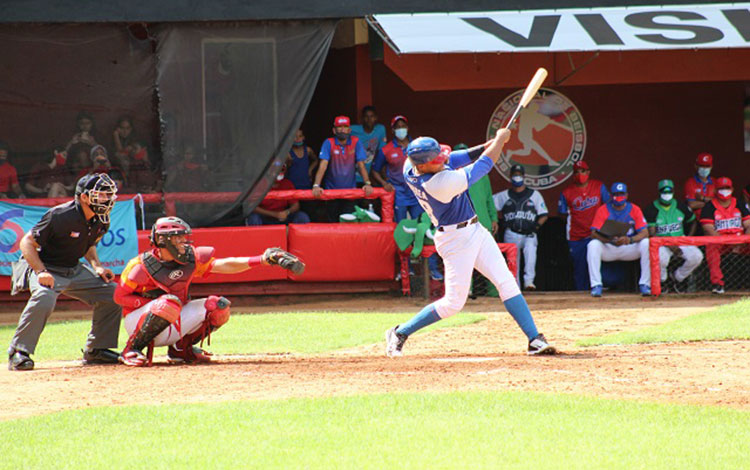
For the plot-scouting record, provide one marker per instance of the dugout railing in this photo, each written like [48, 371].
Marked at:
[705, 241]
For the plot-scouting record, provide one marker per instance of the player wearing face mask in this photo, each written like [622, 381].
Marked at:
[579, 202]
[699, 188]
[667, 217]
[629, 247]
[522, 212]
[723, 216]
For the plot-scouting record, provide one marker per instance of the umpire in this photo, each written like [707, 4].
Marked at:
[50, 266]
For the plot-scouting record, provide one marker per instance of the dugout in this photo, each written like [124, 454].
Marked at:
[647, 112]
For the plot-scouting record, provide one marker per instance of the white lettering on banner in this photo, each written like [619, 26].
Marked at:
[576, 29]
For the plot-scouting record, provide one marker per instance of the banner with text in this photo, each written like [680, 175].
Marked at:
[115, 249]
[575, 29]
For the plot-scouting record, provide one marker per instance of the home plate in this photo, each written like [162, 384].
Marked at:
[466, 359]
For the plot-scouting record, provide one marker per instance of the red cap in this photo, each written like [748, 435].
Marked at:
[341, 121]
[704, 159]
[723, 182]
[397, 118]
[580, 165]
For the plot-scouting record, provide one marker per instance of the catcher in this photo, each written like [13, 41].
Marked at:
[153, 293]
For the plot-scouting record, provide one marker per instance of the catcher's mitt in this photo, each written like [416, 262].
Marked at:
[279, 257]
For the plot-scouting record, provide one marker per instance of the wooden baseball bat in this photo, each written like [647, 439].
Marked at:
[528, 94]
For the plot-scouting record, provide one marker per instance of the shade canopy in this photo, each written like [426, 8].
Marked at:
[576, 29]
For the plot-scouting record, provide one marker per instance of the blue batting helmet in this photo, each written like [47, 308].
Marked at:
[422, 150]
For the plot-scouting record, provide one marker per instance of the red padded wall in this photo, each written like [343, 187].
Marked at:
[344, 252]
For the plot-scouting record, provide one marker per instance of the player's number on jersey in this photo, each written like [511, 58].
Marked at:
[425, 203]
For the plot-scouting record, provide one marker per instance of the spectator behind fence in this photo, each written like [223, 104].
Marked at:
[667, 217]
[699, 188]
[132, 155]
[579, 202]
[101, 164]
[190, 173]
[340, 156]
[523, 211]
[85, 131]
[272, 212]
[50, 178]
[8, 175]
[302, 162]
[723, 216]
[371, 135]
[629, 247]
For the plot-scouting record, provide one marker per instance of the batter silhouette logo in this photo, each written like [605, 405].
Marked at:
[549, 136]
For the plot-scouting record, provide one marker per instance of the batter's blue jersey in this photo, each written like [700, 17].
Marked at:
[444, 195]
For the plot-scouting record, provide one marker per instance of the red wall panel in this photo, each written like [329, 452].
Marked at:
[343, 252]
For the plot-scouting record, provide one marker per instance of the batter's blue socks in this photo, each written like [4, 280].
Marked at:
[519, 310]
[426, 317]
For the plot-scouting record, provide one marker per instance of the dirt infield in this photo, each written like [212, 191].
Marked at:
[485, 356]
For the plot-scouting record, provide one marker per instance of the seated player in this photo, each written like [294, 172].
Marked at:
[629, 247]
[667, 217]
[153, 293]
[723, 215]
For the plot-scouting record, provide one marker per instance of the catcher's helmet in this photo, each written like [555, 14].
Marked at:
[162, 232]
[424, 150]
[101, 192]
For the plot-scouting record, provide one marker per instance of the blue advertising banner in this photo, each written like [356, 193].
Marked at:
[115, 249]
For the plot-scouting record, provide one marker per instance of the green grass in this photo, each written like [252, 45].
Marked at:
[731, 321]
[250, 334]
[432, 431]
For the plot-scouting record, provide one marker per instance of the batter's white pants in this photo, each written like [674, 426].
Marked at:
[693, 258]
[463, 250]
[192, 316]
[527, 244]
[598, 252]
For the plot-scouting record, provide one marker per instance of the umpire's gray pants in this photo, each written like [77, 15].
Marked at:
[81, 283]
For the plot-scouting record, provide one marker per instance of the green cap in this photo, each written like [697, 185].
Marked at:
[666, 184]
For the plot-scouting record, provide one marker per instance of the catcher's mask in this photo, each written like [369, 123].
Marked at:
[164, 229]
[101, 192]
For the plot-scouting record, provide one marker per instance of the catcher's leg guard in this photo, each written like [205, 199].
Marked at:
[143, 336]
[184, 350]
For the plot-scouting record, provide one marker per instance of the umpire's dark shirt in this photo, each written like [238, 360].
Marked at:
[65, 235]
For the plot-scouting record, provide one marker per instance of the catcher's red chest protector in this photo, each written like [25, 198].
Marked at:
[172, 277]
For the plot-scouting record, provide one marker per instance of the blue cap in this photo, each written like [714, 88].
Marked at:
[619, 188]
[422, 150]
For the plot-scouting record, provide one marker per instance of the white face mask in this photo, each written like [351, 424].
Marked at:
[666, 197]
[704, 171]
[518, 179]
[401, 133]
[726, 193]
[280, 177]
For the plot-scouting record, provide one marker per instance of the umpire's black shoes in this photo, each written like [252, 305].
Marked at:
[100, 356]
[19, 360]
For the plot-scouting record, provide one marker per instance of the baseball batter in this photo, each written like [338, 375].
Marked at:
[440, 181]
[155, 300]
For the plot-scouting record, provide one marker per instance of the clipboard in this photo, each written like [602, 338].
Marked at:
[613, 228]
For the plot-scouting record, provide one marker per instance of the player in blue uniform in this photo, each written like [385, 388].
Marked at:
[441, 182]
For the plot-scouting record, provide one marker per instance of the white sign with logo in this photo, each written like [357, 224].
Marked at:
[579, 29]
[548, 137]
